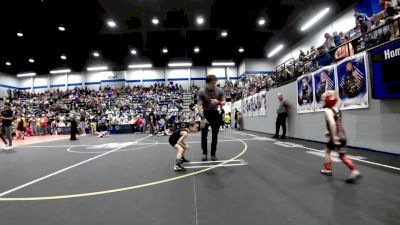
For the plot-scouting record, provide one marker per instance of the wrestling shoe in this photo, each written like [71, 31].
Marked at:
[326, 172]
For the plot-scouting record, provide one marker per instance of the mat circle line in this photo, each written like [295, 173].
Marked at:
[57, 197]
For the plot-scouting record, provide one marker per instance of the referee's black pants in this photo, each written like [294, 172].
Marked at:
[214, 120]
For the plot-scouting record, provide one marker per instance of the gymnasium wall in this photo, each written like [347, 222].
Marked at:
[6, 82]
[374, 128]
[343, 23]
[93, 80]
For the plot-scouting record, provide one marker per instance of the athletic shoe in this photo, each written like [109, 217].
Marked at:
[214, 158]
[185, 160]
[204, 158]
[354, 178]
[8, 147]
[326, 172]
[179, 168]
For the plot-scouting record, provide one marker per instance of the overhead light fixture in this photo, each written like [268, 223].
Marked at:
[8, 63]
[275, 50]
[96, 54]
[181, 64]
[61, 28]
[111, 23]
[224, 33]
[314, 19]
[140, 66]
[63, 57]
[165, 50]
[19, 34]
[133, 52]
[196, 50]
[97, 68]
[26, 74]
[241, 50]
[155, 21]
[223, 63]
[31, 60]
[261, 21]
[60, 71]
[200, 20]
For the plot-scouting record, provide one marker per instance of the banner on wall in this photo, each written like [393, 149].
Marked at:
[254, 105]
[263, 103]
[238, 105]
[305, 94]
[352, 82]
[324, 80]
[247, 107]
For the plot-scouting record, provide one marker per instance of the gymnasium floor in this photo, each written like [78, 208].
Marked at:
[128, 179]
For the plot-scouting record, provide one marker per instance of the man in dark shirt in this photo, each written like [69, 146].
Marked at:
[282, 111]
[7, 117]
[153, 122]
[209, 99]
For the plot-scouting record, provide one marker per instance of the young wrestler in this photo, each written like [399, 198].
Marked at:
[336, 137]
[178, 141]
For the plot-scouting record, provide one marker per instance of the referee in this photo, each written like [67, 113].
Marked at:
[208, 101]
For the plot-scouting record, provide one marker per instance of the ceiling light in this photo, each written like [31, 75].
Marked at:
[314, 19]
[31, 60]
[60, 71]
[223, 63]
[155, 21]
[63, 57]
[140, 66]
[111, 23]
[98, 68]
[200, 20]
[196, 49]
[8, 63]
[241, 50]
[224, 33]
[96, 54]
[26, 74]
[275, 50]
[181, 64]
[261, 21]
[133, 52]
[19, 34]
[61, 28]
[165, 50]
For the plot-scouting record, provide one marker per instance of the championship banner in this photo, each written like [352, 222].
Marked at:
[352, 81]
[324, 80]
[262, 99]
[262, 104]
[305, 94]
[254, 105]
[238, 105]
[247, 107]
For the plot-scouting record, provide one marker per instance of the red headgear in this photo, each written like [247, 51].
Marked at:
[330, 101]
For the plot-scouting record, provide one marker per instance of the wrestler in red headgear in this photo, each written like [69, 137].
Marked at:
[336, 137]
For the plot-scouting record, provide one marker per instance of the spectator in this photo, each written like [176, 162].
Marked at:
[344, 51]
[363, 21]
[329, 41]
[322, 58]
[282, 111]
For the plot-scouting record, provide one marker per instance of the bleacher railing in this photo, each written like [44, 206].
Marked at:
[387, 32]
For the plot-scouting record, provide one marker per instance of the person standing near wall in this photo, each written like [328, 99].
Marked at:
[283, 110]
[74, 128]
[7, 116]
[209, 98]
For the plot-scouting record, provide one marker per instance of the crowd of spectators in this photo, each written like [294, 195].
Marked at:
[43, 113]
